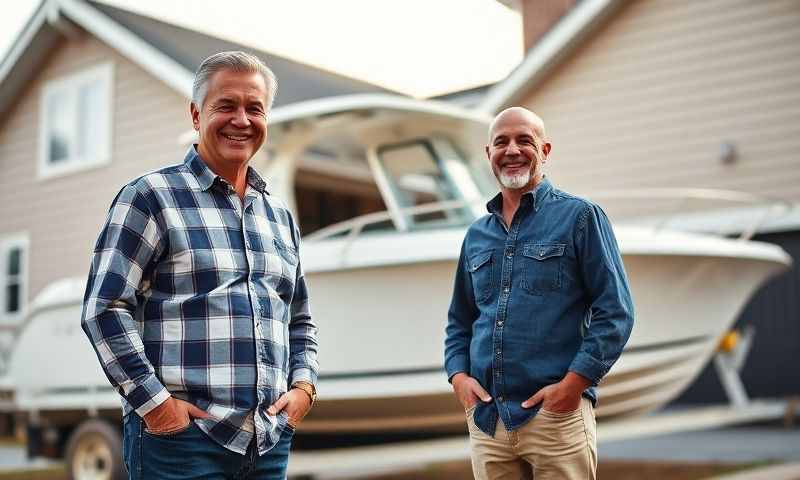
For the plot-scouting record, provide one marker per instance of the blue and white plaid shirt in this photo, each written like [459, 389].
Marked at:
[197, 294]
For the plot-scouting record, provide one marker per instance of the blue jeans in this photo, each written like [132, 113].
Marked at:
[191, 454]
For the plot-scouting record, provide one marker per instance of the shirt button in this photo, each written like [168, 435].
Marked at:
[500, 323]
[499, 351]
[505, 290]
[500, 398]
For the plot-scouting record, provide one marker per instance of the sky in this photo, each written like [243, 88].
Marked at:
[418, 47]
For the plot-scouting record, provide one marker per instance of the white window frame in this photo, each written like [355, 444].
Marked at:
[69, 86]
[8, 242]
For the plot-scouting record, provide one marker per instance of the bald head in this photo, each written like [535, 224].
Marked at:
[517, 149]
[518, 115]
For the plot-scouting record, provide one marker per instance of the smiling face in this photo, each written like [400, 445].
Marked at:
[232, 122]
[517, 150]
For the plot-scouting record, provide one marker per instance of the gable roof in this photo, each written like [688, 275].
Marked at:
[168, 52]
[554, 46]
[296, 81]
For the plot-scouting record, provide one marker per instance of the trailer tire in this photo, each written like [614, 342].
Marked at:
[94, 450]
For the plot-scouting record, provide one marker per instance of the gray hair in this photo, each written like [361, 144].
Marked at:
[236, 61]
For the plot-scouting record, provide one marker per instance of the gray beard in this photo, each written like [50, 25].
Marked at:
[515, 182]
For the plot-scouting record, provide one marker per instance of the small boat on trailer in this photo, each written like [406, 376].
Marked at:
[384, 188]
[381, 281]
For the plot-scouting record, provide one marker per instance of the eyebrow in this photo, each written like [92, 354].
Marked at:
[522, 135]
[232, 101]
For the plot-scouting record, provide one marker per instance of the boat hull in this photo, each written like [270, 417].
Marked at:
[382, 353]
[381, 307]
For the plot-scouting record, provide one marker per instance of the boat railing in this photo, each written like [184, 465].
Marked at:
[767, 207]
[352, 228]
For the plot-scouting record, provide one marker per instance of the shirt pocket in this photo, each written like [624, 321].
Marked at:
[287, 267]
[288, 253]
[480, 269]
[281, 271]
[542, 262]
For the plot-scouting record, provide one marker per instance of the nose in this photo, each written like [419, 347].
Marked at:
[240, 118]
[512, 149]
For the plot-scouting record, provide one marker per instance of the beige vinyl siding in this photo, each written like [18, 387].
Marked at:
[63, 215]
[648, 99]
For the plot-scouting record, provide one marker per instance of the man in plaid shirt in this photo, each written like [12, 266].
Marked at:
[196, 303]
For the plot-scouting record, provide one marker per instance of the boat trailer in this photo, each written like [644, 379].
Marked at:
[355, 462]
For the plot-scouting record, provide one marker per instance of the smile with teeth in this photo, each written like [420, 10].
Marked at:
[514, 165]
[236, 138]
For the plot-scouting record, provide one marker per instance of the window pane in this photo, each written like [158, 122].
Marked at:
[12, 298]
[417, 178]
[90, 120]
[59, 122]
[416, 175]
[14, 260]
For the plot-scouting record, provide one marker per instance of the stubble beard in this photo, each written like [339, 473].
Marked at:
[516, 181]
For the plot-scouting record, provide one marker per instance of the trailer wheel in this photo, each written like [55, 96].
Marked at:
[94, 452]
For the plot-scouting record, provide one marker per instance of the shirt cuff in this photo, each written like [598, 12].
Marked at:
[456, 364]
[303, 374]
[147, 395]
[587, 366]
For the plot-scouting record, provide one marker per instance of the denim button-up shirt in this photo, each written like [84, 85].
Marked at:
[546, 295]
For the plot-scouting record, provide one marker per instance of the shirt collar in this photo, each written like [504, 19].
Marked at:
[537, 196]
[206, 177]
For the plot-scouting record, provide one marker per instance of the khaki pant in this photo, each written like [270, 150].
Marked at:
[551, 445]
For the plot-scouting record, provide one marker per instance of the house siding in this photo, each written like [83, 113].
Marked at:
[648, 100]
[63, 215]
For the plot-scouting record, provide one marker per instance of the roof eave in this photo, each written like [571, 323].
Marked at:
[25, 54]
[565, 36]
[131, 46]
[16, 53]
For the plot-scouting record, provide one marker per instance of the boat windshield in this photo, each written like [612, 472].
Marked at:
[409, 186]
[332, 187]
[427, 184]
[425, 173]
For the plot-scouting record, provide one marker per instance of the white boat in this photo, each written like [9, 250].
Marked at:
[387, 188]
[381, 282]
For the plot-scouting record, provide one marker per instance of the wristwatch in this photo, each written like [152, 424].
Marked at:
[309, 388]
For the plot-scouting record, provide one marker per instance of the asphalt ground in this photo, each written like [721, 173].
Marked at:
[679, 456]
[743, 444]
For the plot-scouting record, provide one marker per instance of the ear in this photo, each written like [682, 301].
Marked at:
[195, 113]
[546, 149]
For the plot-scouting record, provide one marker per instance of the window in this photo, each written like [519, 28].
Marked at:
[418, 176]
[13, 277]
[76, 122]
[333, 186]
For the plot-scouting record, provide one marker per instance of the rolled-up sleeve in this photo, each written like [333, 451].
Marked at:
[611, 306]
[128, 242]
[460, 317]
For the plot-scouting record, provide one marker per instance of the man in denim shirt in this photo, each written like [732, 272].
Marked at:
[540, 312]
